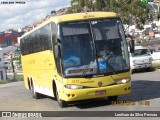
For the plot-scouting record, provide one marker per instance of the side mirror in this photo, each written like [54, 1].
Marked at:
[131, 46]
[57, 51]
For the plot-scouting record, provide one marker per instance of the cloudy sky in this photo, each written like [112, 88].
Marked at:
[13, 16]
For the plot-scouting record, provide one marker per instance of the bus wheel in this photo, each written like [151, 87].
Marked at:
[112, 98]
[61, 103]
[34, 93]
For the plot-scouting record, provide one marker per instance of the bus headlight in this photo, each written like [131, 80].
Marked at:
[123, 81]
[73, 86]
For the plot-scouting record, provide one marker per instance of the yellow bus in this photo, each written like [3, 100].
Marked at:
[77, 57]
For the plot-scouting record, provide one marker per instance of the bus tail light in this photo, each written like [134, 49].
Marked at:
[123, 81]
[73, 86]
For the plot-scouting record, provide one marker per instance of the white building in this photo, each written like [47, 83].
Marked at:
[2, 66]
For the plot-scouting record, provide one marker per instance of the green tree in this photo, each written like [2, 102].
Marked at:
[100, 5]
[81, 6]
[130, 11]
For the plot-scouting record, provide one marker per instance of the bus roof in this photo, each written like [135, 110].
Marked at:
[82, 16]
[74, 17]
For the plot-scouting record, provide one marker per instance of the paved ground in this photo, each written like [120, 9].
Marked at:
[145, 97]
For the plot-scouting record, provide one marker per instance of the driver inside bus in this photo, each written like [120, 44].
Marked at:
[105, 52]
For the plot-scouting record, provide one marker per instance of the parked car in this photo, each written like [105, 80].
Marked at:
[141, 58]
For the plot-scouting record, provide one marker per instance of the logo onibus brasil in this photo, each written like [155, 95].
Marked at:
[146, 1]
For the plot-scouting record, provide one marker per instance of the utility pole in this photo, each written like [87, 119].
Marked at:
[14, 75]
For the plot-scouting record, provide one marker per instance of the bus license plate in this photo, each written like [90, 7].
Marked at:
[101, 92]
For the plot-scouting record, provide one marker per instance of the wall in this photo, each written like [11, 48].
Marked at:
[12, 37]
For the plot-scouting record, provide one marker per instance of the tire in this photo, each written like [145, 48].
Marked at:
[132, 71]
[61, 103]
[34, 94]
[149, 69]
[112, 98]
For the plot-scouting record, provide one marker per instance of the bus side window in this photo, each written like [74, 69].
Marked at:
[48, 37]
[22, 46]
[38, 42]
[25, 46]
[53, 28]
[35, 43]
[45, 38]
[32, 43]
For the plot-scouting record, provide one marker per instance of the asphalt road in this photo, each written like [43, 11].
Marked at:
[145, 96]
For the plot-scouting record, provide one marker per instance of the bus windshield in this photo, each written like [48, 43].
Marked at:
[93, 47]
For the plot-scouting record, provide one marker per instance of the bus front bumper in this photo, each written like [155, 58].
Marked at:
[99, 92]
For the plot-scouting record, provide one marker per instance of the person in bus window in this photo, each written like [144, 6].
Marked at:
[105, 52]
